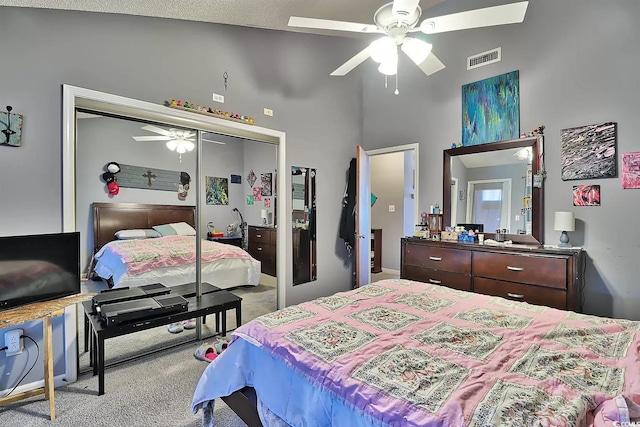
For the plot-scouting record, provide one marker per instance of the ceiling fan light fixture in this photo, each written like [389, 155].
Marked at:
[416, 49]
[383, 49]
[189, 145]
[172, 145]
[389, 67]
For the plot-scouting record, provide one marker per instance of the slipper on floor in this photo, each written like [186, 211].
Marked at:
[175, 328]
[220, 345]
[189, 324]
[205, 352]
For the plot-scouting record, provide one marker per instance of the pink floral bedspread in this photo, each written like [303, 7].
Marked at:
[141, 255]
[414, 354]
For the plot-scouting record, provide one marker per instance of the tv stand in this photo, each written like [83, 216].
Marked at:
[40, 310]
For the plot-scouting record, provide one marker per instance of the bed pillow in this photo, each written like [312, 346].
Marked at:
[136, 234]
[175, 229]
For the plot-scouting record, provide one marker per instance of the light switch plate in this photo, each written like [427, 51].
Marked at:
[218, 98]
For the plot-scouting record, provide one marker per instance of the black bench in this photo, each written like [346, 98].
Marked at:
[214, 302]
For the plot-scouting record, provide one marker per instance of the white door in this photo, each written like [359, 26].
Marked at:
[363, 218]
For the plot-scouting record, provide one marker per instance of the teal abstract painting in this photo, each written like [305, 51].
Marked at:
[491, 109]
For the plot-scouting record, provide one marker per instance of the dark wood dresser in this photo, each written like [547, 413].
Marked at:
[262, 246]
[533, 274]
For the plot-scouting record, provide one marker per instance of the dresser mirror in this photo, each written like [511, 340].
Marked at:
[491, 186]
[303, 219]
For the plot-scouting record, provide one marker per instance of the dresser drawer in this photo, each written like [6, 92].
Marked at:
[535, 270]
[514, 291]
[266, 254]
[454, 260]
[438, 277]
[262, 235]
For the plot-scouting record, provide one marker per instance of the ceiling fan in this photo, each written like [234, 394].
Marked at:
[399, 18]
[178, 140]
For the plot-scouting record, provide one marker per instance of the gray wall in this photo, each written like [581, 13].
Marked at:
[578, 63]
[157, 60]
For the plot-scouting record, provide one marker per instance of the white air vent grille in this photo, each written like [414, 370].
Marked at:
[484, 58]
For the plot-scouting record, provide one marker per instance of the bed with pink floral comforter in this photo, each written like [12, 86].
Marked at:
[405, 353]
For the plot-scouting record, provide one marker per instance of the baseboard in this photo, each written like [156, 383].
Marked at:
[58, 381]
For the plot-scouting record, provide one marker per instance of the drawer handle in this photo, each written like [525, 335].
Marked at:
[514, 268]
[433, 258]
[435, 282]
[515, 295]
[259, 249]
[258, 235]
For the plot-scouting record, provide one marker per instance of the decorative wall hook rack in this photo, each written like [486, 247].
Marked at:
[10, 128]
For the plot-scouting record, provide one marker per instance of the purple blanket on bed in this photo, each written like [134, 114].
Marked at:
[414, 354]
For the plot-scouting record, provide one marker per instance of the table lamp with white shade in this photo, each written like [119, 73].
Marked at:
[264, 214]
[564, 221]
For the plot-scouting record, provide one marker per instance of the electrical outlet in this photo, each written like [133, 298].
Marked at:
[218, 98]
[392, 208]
[13, 340]
[268, 112]
[517, 217]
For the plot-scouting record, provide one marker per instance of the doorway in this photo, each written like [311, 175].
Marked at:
[394, 206]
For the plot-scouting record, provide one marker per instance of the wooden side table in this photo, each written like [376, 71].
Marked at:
[229, 240]
[44, 310]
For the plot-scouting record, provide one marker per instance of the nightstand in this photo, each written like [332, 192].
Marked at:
[229, 240]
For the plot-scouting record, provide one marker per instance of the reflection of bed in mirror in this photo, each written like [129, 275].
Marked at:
[492, 184]
[169, 260]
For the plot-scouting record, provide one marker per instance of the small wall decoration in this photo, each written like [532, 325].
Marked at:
[491, 109]
[267, 202]
[236, 179]
[109, 177]
[251, 178]
[266, 184]
[217, 191]
[249, 199]
[589, 152]
[10, 128]
[631, 170]
[257, 194]
[147, 178]
[586, 195]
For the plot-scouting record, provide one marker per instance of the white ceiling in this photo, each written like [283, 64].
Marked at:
[248, 13]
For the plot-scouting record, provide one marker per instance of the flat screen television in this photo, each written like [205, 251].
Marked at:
[38, 267]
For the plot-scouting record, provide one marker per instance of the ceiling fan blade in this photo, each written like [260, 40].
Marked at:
[156, 129]
[152, 138]
[352, 63]
[215, 142]
[497, 15]
[327, 24]
[431, 65]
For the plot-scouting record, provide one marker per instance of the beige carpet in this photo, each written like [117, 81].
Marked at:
[154, 390]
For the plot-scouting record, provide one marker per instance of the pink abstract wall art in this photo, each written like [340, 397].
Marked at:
[631, 170]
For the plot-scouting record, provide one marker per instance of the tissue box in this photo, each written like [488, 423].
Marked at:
[449, 235]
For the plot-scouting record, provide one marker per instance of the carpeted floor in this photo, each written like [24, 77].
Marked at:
[154, 390]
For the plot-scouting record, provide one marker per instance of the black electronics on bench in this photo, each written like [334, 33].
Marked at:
[126, 294]
[141, 308]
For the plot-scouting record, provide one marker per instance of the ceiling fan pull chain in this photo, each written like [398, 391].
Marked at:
[397, 91]
[385, 81]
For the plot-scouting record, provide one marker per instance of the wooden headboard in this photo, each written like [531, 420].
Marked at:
[111, 217]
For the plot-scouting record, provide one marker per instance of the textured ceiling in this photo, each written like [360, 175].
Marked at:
[248, 13]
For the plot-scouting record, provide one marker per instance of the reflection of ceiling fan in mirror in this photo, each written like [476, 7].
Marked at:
[401, 17]
[177, 139]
